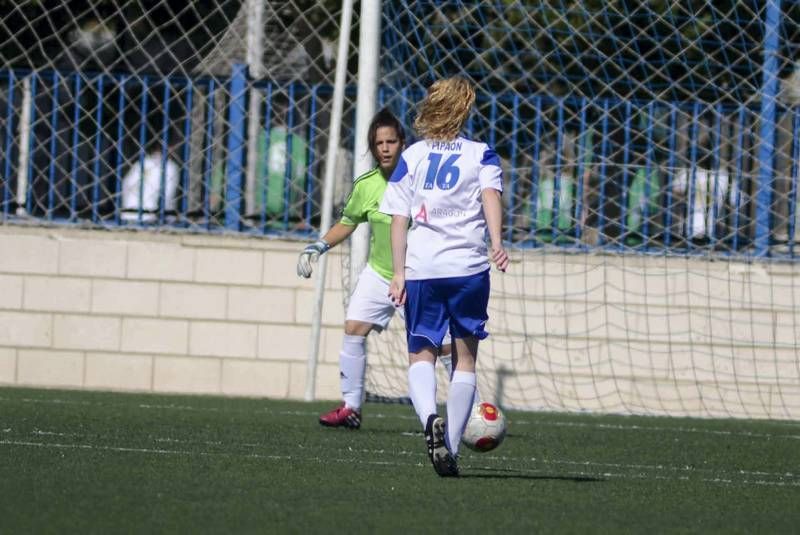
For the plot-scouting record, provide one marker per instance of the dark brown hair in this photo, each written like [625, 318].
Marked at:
[384, 118]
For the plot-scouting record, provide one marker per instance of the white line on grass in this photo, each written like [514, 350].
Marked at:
[489, 457]
[782, 480]
[131, 450]
[622, 466]
[524, 421]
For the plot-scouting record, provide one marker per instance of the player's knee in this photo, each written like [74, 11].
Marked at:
[357, 328]
[425, 354]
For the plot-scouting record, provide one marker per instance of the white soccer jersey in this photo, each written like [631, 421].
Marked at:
[438, 185]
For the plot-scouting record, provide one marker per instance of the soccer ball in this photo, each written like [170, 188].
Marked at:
[486, 428]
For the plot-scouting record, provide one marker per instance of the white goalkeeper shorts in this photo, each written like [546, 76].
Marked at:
[370, 302]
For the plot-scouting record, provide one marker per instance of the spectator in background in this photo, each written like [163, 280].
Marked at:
[705, 189]
[153, 178]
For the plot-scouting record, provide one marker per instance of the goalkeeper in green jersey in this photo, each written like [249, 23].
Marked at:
[370, 307]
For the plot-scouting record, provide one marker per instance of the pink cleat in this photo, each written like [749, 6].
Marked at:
[341, 416]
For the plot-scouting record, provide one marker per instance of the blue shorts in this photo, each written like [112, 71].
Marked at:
[434, 305]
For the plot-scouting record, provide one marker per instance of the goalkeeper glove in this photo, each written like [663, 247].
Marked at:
[310, 254]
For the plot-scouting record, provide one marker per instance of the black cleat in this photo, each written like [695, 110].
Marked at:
[442, 460]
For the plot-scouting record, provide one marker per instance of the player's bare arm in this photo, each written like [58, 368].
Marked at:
[493, 211]
[399, 232]
[338, 233]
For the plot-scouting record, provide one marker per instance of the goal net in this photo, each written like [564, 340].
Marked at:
[651, 167]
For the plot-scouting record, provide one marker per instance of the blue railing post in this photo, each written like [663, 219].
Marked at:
[208, 151]
[512, 200]
[163, 200]
[119, 156]
[264, 178]
[536, 169]
[766, 150]
[311, 154]
[186, 150]
[235, 162]
[98, 149]
[143, 111]
[51, 168]
[74, 148]
[584, 138]
[31, 145]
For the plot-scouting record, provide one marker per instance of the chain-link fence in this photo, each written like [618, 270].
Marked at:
[657, 126]
[652, 126]
[198, 115]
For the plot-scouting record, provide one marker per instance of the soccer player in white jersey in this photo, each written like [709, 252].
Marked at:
[449, 188]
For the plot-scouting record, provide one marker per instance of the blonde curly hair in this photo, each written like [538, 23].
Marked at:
[444, 110]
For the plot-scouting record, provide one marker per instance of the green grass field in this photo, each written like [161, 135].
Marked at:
[89, 462]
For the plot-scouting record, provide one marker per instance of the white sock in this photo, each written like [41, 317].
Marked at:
[352, 368]
[459, 406]
[422, 389]
[447, 362]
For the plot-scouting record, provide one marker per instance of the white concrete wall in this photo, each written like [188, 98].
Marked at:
[142, 311]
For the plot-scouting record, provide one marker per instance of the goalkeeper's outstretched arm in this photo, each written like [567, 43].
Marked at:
[336, 235]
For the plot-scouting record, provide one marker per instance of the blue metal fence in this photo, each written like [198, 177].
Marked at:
[643, 176]
[86, 132]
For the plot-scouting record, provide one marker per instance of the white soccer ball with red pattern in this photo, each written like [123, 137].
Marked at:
[486, 428]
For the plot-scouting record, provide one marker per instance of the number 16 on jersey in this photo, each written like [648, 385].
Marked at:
[444, 175]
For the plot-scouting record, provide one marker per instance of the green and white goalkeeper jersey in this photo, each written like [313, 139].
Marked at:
[362, 205]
